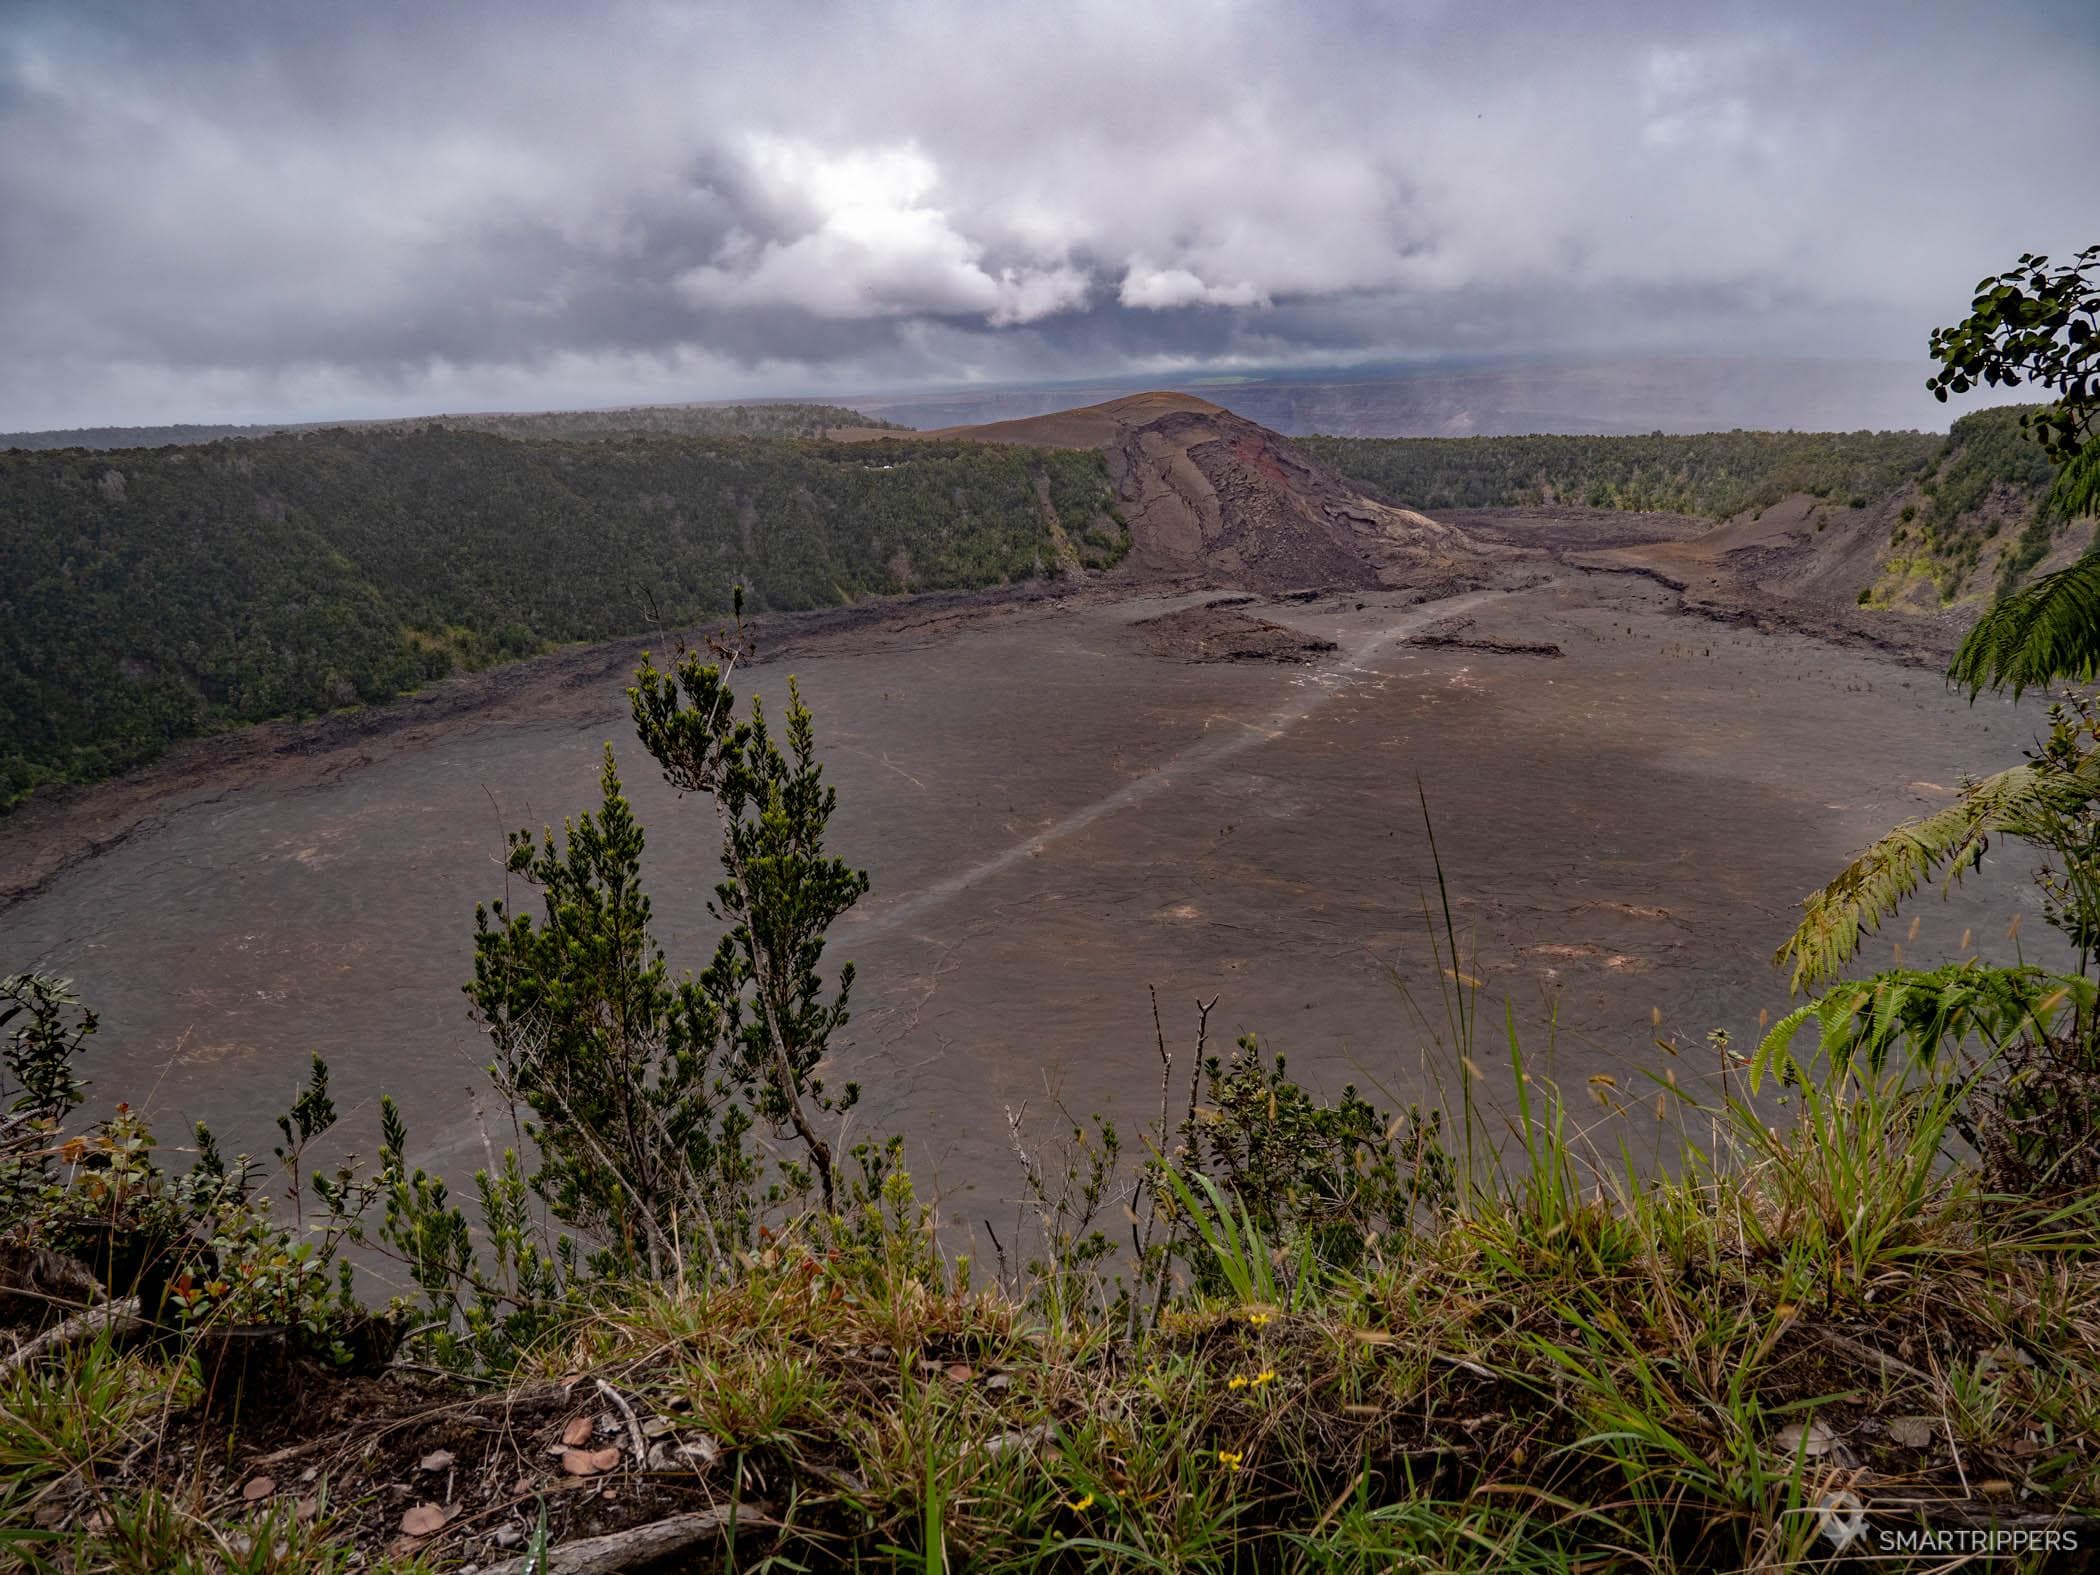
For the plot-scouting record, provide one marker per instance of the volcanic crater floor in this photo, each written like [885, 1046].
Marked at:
[1063, 809]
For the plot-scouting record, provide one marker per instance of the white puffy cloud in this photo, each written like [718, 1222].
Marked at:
[875, 243]
[1164, 289]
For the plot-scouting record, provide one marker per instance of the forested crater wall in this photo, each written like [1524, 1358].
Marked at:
[154, 594]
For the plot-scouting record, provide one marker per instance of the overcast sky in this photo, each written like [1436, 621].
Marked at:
[274, 210]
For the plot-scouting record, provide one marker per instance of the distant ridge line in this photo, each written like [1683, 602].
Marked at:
[750, 418]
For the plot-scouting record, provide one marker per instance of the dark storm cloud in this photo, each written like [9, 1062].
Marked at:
[245, 210]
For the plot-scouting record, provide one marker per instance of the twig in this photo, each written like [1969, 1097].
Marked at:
[1019, 1438]
[999, 1248]
[1188, 1125]
[638, 1547]
[1463, 1364]
[634, 1428]
[1980, 1513]
[1859, 1350]
[397, 1365]
[1203, 1009]
[119, 1317]
[482, 1413]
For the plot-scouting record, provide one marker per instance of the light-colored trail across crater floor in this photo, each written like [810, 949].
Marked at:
[1310, 691]
[1056, 819]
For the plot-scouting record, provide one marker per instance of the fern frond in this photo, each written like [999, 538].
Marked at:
[1775, 1050]
[1927, 1013]
[2049, 630]
[1873, 885]
[2076, 491]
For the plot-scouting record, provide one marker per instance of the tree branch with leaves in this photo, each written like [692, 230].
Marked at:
[780, 891]
[2038, 325]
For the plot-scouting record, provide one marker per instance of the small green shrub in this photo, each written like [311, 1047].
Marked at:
[199, 1247]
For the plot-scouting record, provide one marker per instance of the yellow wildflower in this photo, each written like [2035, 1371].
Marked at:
[1229, 1459]
[1266, 1375]
[1236, 1382]
[1084, 1501]
[1258, 1319]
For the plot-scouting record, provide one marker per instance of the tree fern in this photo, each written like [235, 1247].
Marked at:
[2036, 636]
[1927, 1012]
[2025, 801]
[2076, 490]
[2051, 629]
[2035, 326]
[1873, 885]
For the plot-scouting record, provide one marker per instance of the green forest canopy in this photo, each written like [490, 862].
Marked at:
[152, 594]
[1716, 474]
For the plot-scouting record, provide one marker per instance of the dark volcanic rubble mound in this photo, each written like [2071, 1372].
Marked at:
[1220, 632]
[1209, 494]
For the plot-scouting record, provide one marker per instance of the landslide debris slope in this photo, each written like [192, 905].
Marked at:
[1908, 567]
[1209, 495]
